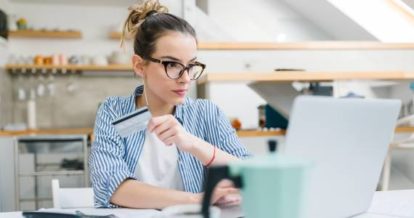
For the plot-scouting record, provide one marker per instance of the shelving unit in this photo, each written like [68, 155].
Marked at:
[45, 34]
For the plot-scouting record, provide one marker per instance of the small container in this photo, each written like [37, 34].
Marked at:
[38, 60]
[236, 123]
[262, 116]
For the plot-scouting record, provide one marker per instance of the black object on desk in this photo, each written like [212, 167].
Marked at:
[272, 145]
[41, 214]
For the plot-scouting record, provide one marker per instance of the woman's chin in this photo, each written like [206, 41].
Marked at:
[179, 100]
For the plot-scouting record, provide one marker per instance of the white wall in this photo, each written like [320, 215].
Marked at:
[383, 19]
[263, 20]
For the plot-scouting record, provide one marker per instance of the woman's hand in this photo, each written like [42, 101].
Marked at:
[224, 194]
[170, 131]
[231, 194]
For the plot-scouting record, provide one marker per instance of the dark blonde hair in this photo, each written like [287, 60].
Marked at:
[4, 31]
[147, 22]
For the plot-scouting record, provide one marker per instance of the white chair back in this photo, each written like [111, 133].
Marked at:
[71, 197]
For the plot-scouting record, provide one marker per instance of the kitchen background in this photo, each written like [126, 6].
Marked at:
[267, 21]
[317, 36]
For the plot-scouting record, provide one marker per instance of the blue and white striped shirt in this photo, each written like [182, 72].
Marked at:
[113, 159]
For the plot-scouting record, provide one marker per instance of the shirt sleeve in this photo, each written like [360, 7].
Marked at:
[223, 134]
[107, 166]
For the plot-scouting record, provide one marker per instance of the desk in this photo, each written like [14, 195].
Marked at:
[390, 204]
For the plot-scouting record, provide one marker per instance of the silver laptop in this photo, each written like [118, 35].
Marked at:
[347, 140]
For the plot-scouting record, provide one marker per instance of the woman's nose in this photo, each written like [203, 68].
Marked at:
[185, 77]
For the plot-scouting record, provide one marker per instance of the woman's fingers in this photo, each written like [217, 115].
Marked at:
[161, 125]
[221, 192]
[155, 121]
[225, 183]
[230, 200]
[167, 136]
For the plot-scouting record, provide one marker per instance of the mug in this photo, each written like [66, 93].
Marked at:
[272, 186]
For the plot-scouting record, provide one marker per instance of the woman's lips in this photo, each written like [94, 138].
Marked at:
[180, 92]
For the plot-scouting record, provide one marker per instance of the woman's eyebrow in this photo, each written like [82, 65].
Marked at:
[176, 59]
[170, 57]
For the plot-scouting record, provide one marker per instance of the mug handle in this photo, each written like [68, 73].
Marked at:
[214, 175]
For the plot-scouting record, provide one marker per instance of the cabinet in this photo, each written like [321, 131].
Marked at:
[39, 159]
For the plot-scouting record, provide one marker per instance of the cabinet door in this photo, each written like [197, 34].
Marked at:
[7, 174]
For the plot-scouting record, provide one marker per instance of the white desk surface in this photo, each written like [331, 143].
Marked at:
[390, 204]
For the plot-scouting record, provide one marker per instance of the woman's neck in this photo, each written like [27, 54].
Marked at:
[156, 107]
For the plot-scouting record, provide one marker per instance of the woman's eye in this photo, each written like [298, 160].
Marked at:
[172, 65]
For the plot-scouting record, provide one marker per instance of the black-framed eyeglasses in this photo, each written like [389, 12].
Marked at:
[175, 70]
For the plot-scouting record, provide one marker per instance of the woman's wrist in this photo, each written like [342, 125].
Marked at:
[193, 142]
[195, 198]
[203, 151]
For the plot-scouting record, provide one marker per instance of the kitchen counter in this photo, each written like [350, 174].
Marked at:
[89, 131]
[86, 131]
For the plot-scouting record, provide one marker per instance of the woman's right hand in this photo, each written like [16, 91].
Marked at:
[224, 194]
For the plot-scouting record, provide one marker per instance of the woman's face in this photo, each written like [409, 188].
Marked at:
[177, 47]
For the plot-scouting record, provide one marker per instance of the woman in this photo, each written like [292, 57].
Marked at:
[164, 164]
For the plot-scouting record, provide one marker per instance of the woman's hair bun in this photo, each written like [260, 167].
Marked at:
[138, 13]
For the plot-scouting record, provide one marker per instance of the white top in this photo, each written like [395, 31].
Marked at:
[158, 164]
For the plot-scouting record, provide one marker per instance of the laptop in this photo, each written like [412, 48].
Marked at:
[347, 140]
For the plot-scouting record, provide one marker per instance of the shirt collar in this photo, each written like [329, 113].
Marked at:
[178, 113]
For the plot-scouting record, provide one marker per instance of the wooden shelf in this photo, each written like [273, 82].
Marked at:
[289, 76]
[311, 45]
[111, 67]
[117, 36]
[45, 34]
[89, 131]
[405, 129]
[281, 132]
[86, 131]
[257, 133]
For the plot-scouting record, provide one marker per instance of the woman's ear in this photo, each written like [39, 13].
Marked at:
[138, 65]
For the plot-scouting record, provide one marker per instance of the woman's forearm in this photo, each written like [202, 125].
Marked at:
[135, 194]
[204, 152]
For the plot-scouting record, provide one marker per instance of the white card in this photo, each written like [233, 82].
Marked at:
[133, 122]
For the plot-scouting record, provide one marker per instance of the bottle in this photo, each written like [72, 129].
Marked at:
[31, 111]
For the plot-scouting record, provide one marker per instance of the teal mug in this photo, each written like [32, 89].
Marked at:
[273, 186]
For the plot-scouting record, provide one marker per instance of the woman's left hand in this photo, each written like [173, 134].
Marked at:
[170, 131]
